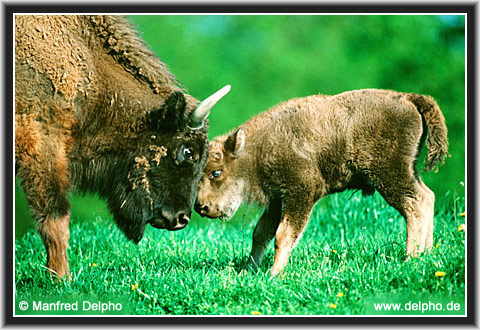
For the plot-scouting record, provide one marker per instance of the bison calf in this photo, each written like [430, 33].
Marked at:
[305, 148]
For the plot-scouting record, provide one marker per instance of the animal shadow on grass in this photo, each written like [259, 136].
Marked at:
[217, 265]
[388, 251]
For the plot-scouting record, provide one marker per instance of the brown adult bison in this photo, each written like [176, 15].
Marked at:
[300, 150]
[97, 110]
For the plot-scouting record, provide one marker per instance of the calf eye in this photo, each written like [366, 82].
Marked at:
[215, 174]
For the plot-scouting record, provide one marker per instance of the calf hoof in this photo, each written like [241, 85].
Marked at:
[276, 273]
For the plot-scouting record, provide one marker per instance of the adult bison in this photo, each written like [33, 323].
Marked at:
[97, 110]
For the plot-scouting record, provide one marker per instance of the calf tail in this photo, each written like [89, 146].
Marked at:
[437, 141]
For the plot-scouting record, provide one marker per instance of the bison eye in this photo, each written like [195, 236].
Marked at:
[188, 153]
[215, 174]
[185, 154]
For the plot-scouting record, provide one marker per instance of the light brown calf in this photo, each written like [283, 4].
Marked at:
[298, 151]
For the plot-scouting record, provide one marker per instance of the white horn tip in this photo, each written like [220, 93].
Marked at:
[225, 90]
[203, 109]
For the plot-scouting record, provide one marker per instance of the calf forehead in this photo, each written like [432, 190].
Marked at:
[215, 152]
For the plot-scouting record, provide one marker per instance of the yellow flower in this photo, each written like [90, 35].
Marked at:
[94, 265]
[255, 313]
[436, 246]
[333, 306]
[461, 227]
[334, 251]
[134, 286]
[439, 274]
[462, 214]
[340, 295]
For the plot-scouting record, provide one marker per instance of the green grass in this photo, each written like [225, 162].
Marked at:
[352, 245]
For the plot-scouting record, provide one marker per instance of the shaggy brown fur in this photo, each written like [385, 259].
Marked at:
[295, 153]
[95, 108]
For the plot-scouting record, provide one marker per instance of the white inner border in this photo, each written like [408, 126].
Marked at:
[251, 14]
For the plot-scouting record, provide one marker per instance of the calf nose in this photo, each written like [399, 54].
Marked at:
[201, 209]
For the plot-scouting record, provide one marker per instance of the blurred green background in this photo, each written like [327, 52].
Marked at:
[269, 59]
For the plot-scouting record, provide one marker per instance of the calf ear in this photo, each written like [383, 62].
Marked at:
[172, 113]
[235, 142]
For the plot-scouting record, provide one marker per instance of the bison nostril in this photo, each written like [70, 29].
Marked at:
[204, 208]
[183, 219]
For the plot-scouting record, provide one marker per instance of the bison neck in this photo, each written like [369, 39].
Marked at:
[99, 175]
[107, 130]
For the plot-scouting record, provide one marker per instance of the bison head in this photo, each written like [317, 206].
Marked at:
[158, 182]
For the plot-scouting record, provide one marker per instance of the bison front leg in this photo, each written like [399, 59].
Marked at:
[42, 167]
[294, 220]
[264, 232]
[55, 234]
[52, 219]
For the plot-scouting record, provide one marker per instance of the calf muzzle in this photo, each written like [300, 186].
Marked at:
[210, 212]
[201, 209]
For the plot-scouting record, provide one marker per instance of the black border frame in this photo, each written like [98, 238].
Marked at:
[468, 8]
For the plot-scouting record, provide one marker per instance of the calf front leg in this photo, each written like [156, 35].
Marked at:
[294, 220]
[264, 232]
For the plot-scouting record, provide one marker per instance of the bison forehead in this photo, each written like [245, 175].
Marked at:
[189, 135]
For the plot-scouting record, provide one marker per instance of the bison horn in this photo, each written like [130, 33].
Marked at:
[202, 111]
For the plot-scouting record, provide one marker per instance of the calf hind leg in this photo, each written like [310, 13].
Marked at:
[417, 209]
[416, 206]
[409, 195]
[429, 211]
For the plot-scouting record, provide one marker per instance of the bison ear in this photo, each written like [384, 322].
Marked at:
[171, 114]
[235, 142]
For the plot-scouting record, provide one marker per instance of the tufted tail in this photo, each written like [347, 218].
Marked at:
[437, 141]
